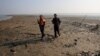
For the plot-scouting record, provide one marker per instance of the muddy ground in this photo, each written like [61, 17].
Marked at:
[20, 36]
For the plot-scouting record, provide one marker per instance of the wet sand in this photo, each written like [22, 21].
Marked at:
[20, 36]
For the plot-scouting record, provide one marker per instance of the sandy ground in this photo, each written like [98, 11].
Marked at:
[20, 36]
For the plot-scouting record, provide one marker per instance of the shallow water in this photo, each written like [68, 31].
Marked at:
[4, 17]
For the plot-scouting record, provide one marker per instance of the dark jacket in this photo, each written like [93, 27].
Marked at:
[56, 21]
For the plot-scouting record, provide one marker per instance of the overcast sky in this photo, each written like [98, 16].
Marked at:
[49, 6]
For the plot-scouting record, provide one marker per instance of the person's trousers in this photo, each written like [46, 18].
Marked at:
[42, 30]
[56, 30]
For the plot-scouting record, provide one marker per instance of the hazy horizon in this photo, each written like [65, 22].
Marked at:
[80, 7]
[60, 14]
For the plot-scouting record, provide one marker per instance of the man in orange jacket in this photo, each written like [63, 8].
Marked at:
[41, 23]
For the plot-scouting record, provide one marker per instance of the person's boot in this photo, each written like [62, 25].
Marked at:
[59, 34]
[43, 35]
[54, 37]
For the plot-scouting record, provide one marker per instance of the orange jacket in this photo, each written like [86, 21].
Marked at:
[41, 21]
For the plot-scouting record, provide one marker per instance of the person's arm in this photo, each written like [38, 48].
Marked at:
[44, 21]
[59, 20]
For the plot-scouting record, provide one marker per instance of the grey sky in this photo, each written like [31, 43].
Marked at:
[49, 6]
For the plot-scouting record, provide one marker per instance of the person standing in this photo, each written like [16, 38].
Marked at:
[56, 21]
[41, 23]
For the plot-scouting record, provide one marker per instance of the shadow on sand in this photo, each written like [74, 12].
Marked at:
[31, 40]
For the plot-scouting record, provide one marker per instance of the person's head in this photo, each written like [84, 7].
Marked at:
[41, 16]
[55, 15]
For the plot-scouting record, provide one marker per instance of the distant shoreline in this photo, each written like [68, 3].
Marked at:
[4, 17]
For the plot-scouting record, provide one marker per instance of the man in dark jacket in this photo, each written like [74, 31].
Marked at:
[56, 21]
